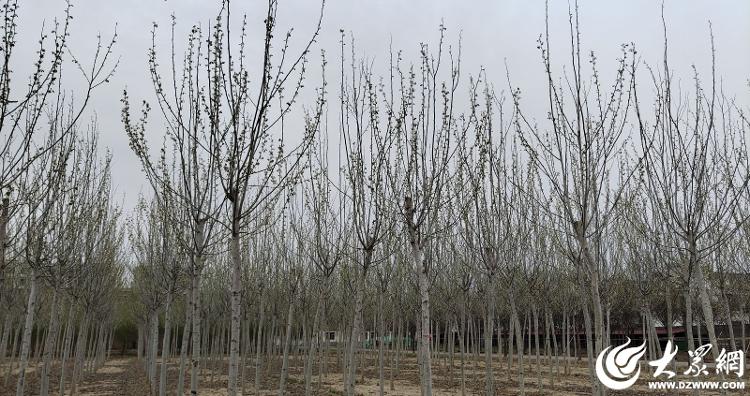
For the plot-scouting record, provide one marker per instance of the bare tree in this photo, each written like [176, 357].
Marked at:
[424, 120]
[252, 168]
[366, 144]
[575, 155]
[696, 174]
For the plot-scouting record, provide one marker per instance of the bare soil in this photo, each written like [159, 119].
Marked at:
[127, 376]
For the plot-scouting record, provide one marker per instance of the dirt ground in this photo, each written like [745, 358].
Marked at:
[127, 376]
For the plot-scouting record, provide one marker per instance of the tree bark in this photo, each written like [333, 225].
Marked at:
[26, 340]
[287, 343]
[381, 346]
[184, 345]
[313, 346]
[259, 340]
[234, 341]
[153, 340]
[424, 298]
[67, 344]
[708, 313]
[49, 345]
[728, 311]
[519, 346]
[80, 351]
[351, 358]
[195, 285]
[165, 345]
[488, 330]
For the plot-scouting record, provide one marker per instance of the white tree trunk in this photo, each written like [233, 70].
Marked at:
[708, 313]
[313, 345]
[350, 371]
[519, 345]
[381, 347]
[195, 286]
[80, 351]
[184, 346]
[67, 344]
[49, 345]
[165, 345]
[287, 343]
[424, 297]
[153, 340]
[259, 341]
[26, 340]
[234, 341]
[488, 330]
[6, 334]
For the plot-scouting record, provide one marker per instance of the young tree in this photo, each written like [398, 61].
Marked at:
[696, 174]
[366, 144]
[424, 119]
[23, 106]
[576, 154]
[244, 122]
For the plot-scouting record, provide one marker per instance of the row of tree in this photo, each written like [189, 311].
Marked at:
[61, 241]
[604, 194]
[431, 208]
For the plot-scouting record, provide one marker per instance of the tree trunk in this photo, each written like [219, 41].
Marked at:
[351, 359]
[153, 340]
[6, 335]
[728, 312]
[595, 386]
[596, 302]
[424, 296]
[195, 286]
[80, 351]
[519, 345]
[742, 326]
[26, 340]
[4, 218]
[234, 342]
[49, 345]
[381, 346]
[708, 313]
[287, 343]
[535, 314]
[313, 346]
[566, 342]
[184, 346]
[67, 344]
[688, 305]
[165, 345]
[259, 341]
[488, 329]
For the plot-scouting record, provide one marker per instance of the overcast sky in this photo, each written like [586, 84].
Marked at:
[493, 32]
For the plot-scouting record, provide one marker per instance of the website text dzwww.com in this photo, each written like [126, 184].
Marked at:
[696, 385]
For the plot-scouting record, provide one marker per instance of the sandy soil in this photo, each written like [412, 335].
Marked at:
[127, 376]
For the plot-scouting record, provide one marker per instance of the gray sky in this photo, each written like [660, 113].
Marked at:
[494, 32]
